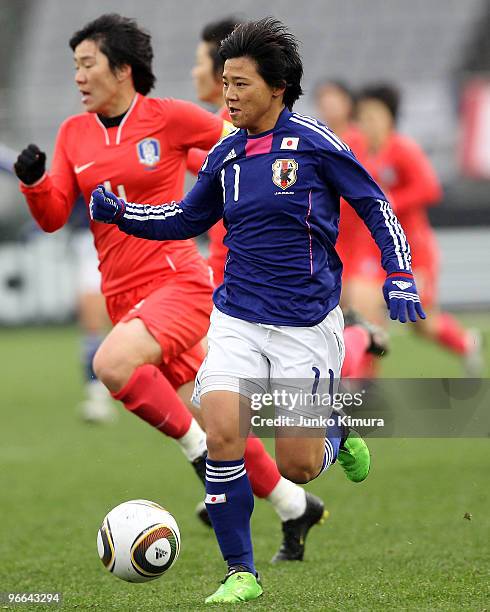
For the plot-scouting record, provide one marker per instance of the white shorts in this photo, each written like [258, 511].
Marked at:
[255, 359]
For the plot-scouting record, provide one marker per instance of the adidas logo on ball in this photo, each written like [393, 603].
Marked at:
[159, 553]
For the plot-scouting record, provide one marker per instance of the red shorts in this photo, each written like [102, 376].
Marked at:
[361, 257]
[217, 252]
[176, 312]
[365, 264]
[425, 266]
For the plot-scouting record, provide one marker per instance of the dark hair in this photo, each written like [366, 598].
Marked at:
[385, 93]
[275, 51]
[213, 33]
[124, 43]
[337, 84]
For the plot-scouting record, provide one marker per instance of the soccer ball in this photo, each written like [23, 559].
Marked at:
[138, 541]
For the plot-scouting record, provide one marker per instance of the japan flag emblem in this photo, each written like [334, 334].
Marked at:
[284, 172]
[290, 142]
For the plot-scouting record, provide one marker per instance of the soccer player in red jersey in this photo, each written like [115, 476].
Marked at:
[405, 173]
[158, 295]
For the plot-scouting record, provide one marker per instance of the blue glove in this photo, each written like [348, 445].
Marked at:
[105, 206]
[401, 297]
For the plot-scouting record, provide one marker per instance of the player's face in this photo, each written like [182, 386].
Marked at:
[374, 119]
[208, 87]
[333, 106]
[251, 102]
[98, 85]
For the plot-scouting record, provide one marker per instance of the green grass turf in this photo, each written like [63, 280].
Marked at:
[398, 541]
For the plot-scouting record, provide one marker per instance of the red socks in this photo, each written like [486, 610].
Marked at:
[149, 395]
[357, 341]
[261, 468]
[450, 334]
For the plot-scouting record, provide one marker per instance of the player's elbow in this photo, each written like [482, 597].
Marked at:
[50, 226]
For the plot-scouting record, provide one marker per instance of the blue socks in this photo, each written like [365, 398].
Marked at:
[230, 502]
[333, 438]
[90, 344]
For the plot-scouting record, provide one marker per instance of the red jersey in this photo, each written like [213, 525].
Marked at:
[351, 226]
[354, 138]
[142, 160]
[217, 250]
[403, 170]
[406, 175]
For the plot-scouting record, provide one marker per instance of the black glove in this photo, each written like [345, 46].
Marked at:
[30, 165]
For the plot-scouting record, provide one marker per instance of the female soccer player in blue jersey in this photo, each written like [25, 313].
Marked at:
[276, 327]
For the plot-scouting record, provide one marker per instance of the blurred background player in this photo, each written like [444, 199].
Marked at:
[207, 75]
[335, 105]
[406, 175]
[158, 295]
[94, 324]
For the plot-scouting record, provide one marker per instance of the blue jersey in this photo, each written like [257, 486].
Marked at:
[279, 196]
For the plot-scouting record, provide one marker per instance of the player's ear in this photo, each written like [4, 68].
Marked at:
[277, 92]
[124, 72]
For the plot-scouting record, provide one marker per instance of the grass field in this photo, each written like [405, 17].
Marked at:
[397, 542]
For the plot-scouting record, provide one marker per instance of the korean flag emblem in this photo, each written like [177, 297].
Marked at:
[149, 151]
[284, 172]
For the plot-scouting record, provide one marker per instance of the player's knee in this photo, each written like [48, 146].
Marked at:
[298, 472]
[222, 444]
[111, 370]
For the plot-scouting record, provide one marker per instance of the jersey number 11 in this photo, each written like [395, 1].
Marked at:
[236, 186]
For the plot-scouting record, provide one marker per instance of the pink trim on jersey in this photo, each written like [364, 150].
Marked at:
[309, 232]
[257, 146]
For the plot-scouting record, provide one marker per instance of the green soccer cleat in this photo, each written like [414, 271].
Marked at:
[236, 587]
[354, 457]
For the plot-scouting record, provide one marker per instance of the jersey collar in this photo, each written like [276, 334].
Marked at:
[281, 120]
[121, 125]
